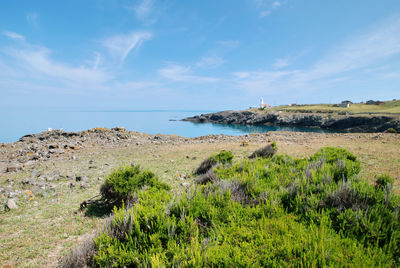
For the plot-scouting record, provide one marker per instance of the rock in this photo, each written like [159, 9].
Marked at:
[35, 173]
[12, 168]
[53, 146]
[84, 185]
[11, 204]
[27, 181]
[72, 185]
[82, 178]
[185, 184]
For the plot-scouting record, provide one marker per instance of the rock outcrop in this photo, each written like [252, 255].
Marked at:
[346, 123]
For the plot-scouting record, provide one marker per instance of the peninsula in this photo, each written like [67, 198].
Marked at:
[374, 117]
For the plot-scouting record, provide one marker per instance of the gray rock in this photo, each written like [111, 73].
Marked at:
[82, 178]
[84, 185]
[11, 204]
[35, 173]
[27, 181]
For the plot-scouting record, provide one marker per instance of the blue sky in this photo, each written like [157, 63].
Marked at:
[149, 54]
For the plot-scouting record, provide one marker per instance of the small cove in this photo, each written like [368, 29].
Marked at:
[16, 123]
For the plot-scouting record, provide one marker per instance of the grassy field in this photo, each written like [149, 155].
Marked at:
[45, 228]
[390, 107]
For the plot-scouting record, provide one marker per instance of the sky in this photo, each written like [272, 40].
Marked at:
[191, 55]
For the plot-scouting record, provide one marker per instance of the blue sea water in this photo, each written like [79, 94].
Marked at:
[16, 123]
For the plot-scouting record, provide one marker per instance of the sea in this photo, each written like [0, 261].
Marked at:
[16, 123]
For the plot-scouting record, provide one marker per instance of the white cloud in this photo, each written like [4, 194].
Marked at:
[13, 35]
[210, 62]
[281, 63]
[179, 73]
[354, 55]
[266, 7]
[38, 61]
[143, 9]
[119, 46]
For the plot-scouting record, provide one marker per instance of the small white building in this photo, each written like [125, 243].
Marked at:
[264, 105]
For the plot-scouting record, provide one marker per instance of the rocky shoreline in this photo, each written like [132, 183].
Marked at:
[343, 123]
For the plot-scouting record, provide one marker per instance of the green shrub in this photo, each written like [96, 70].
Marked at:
[123, 184]
[266, 151]
[224, 157]
[269, 212]
[391, 130]
[345, 164]
[384, 181]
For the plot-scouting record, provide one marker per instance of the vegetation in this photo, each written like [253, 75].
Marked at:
[121, 186]
[276, 211]
[224, 157]
[389, 107]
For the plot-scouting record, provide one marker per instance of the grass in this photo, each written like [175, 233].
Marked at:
[37, 234]
[390, 107]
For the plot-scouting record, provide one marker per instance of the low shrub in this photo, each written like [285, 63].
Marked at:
[274, 211]
[391, 130]
[266, 151]
[122, 185]
[384, 181]
[224, 157]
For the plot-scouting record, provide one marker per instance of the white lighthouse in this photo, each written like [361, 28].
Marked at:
[262, 103]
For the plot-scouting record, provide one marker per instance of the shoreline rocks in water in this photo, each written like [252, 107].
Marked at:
[345, 123]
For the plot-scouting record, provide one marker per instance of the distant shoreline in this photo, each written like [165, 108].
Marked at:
[364, 123]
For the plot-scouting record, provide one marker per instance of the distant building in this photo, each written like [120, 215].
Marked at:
[292, 104]
[347, 101]
[372, 102]
[264, 105]
[343, 105]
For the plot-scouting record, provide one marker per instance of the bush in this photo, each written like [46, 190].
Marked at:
[391, 130]
[384, 181]
[123, 184]
[269, 212]
[344, 164]
[267, 151]
[224, 157]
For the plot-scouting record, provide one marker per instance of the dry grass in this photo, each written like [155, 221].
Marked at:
[390, 107]
[43, 229]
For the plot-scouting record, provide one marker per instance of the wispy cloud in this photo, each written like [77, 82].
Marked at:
[143, 9]
[13, 35]
[266, 7]
[210, 62]
[38, 60]
[343, 62]
[32, 18]
[180, 73]
[119, 46]
[281, 63]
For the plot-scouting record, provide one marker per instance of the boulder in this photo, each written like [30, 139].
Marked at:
[11, 204]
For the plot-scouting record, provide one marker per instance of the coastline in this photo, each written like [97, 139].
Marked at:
[365, 123]
[55, 171]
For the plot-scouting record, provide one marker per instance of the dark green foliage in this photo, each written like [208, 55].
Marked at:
[384, 181]
[266, 151]
[391, 130]
[224, 157]
[265, 212]
[123, 184]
